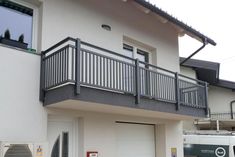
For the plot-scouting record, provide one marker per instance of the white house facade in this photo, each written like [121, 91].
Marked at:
[94, 78]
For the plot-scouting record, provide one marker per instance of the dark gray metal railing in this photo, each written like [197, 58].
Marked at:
[221, 116]
[72, 61]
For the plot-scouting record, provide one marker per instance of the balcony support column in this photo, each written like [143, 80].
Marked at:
[77, 65]
[177, 91]
[137, 82]
[42, 79]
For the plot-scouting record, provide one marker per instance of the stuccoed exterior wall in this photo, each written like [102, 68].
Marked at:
[22, 116]
[83, 19]
[98, 131]
[219, 99]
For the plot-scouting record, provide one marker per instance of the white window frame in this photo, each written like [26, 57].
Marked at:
[35, 20]
[135, 50]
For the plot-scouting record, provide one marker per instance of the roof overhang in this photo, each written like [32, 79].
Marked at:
[181, 27]
[209, 72]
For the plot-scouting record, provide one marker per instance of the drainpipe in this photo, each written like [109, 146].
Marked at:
[231, 107]
[200, 48]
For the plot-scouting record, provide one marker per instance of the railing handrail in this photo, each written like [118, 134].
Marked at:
[199, 81]
[118, 54]
[106, 50]
[154, 66]
[221, 115]
[58, 44]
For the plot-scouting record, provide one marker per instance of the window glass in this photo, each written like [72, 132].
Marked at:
[65, 144]
[56, 148]
[234, 150]
[128, 50]
[18, 20]
[142, 55]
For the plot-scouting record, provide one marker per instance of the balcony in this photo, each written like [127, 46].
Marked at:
[79, 71]
[217, 120]
[222, 116]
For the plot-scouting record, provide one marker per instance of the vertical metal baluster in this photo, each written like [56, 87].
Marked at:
[55, 69]
[97, 70]
[114, 81]
[167, 88]
[82, 66]
[72, 62]
[100, 71]
[51, 79]
[123, 77]
[104, 69]
[85, 67]
[151, 83]
[49, 71]
[54, 81]
[161, 83]
[54, 58]
[90, 64]
[66, 64]
[105, 80]
[64, 61]
[93, 62]
[46, 72]
[59, 67]
[132, 78]
[63, 66]
[107, 73]
[118, 75]
[129, 77]
[110, 74]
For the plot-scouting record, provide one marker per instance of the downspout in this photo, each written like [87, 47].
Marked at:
[231, 107]
[200, 48]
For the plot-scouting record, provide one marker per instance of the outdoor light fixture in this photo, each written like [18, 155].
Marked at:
[106, 27]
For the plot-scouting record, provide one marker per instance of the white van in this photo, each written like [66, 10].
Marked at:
[209, 144]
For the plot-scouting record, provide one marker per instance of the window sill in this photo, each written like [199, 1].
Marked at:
[19, 49]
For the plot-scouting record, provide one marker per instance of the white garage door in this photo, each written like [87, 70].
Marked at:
[135, 140]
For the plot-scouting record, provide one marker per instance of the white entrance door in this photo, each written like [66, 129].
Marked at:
[135, 140]
[60, 138]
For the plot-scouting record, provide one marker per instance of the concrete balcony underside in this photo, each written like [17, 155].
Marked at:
[92, 99]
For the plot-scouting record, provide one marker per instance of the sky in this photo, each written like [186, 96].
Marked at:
[213, 18]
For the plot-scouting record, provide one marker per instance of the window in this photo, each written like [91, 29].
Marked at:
[18, 19]
[143, 56]
[64, 147]
[134, 52]
[65, 144]
[56, 148]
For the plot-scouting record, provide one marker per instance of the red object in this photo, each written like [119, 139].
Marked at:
[92, 154]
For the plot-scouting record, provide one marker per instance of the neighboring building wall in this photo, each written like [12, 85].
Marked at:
[83, 19]
[22, 116]
[219, 99]
[188, 72]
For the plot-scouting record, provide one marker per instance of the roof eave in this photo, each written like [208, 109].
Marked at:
[189, 30]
